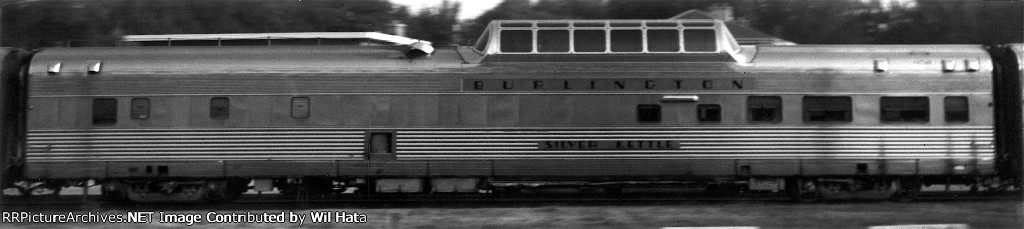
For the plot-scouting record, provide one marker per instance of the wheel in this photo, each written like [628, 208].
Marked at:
[802, 190]
[907, 190]
[43, 188]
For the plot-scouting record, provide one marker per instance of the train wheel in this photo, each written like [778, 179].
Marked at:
[41, 188]
[803, 190]
[907, 190]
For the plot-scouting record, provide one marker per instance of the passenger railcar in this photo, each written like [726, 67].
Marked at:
[609, 102]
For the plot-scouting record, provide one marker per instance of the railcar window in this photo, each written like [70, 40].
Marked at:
[663, 40]
[588, 40]
[827, 109]
[140, 108]
[956, 109]
[220, 108]
[627, 40]
[380, 143]
[709, 113]
[104, 111]
[553, 41]
[904, 109]
[516, 41]
[300, 107]
[700, 40]
[764, 109]
[648, 113]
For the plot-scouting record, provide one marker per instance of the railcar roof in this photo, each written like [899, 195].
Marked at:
[114, 60]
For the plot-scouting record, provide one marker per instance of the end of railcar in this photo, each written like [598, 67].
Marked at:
[12, 115]
[1007, 74]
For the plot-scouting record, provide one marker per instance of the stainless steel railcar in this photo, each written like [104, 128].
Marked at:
[619, 102]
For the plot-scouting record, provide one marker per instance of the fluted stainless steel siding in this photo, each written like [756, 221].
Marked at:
[194, 144]
[839, 143]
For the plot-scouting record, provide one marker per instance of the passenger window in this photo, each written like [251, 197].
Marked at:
[300, 107]
[553, 41]
[380, 143]
[700, 40]
[663, 40]
[827, 109]
[588, 40]
[516, 41]
[627, 41]
[104, 111]
[220, 108]
[904, 109]
[648, 113]
[764, 109]
[709, 113]
[140, 108]
[956, 109]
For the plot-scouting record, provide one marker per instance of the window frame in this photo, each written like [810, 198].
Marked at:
[882, 109]
[848, 109]
[139, 114]
[109, 116]
[656, 117]
[226, 108]
[966, 111]
[700, 107]
[308, 109]
[750, 113]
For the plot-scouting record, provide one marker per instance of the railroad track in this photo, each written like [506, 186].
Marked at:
[272, 201]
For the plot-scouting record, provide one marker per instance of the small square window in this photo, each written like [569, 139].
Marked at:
[588, 40]
[663, 40]
[957, 109]
[827, 109]
[648, 113]
[709, 113]
[904, 109]
[552, 41]
[516, 41]
[627, 41]
[220, 108]
[104, 111]
[700, 40]
[140, 108]
[764, 109]
[300, 107]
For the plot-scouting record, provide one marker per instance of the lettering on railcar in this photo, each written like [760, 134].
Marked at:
[606, 84]
[609, 145]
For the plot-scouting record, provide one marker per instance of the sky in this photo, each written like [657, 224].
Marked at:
[470, 8]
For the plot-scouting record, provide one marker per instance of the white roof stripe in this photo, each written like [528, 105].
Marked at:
[274, 36]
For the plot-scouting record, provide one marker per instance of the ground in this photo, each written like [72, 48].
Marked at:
[976, 214]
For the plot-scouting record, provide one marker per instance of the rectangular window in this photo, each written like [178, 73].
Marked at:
[588, 40]
[104, 111]
[380, 143]
[904, 109]
[140, 108]
[767, 109]
[300, 107]
[627, 41]
[956, 109]
[553, 41]
[700, 40]
[648, 113]
[663, 40]
[220, 108]
[709, 113]
[827, 109]
[516, 41]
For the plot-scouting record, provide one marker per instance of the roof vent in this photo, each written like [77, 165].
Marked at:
[418, 50]
[54, 68]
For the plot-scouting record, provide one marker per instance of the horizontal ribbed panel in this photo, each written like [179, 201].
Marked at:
[193, 144]
[962, 142]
